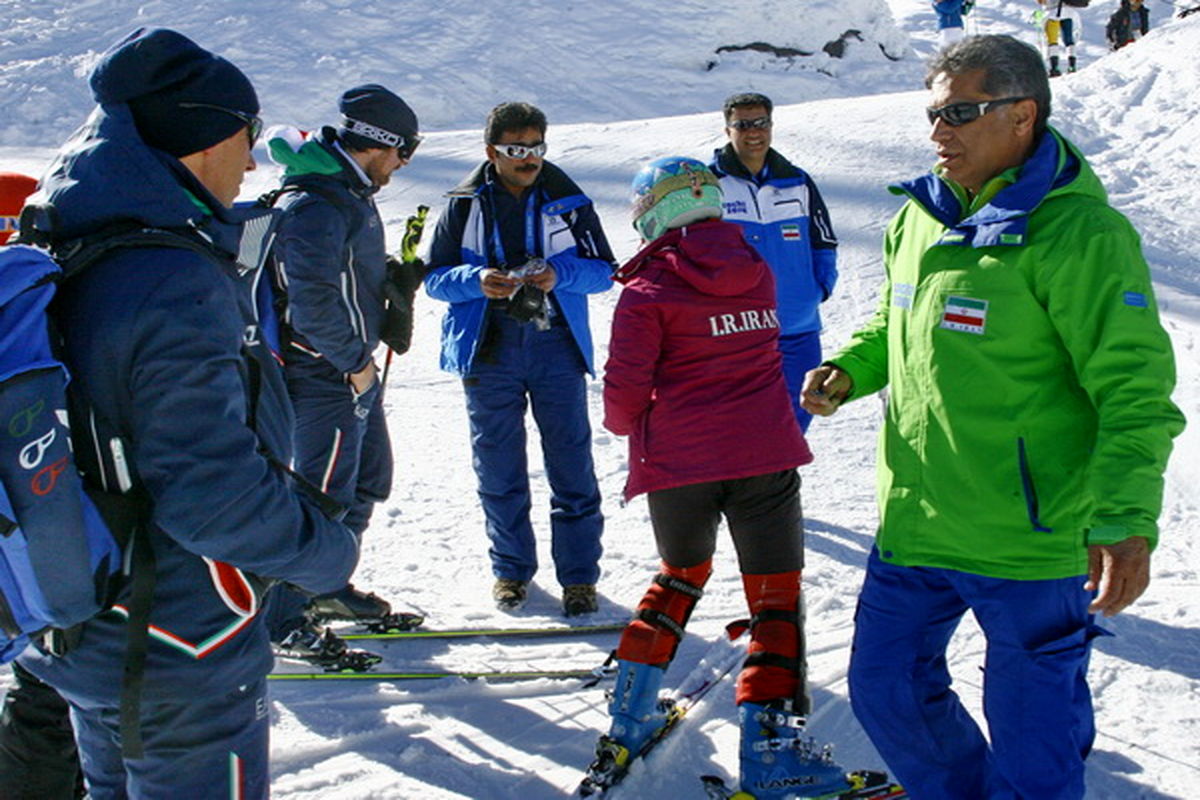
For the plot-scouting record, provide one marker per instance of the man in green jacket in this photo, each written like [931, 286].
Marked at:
[1027, 430]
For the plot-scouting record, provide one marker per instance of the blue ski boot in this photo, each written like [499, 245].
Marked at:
[637, 715]
[778, 761]
[634, 707]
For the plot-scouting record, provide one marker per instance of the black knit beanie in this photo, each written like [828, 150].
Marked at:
[373, 116]
[184, 99]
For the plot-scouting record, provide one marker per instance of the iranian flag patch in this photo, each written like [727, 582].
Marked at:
[790, 233]
[964, 314]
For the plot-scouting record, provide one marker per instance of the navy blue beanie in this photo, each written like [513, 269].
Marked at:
[372, 116]
[160, 73]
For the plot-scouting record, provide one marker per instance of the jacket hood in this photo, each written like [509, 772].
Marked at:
[711, 256]
[313, 157]
[1055, 168]
[106, 175]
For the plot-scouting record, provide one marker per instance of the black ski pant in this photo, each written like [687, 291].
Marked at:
[38, 759]
[764, 519]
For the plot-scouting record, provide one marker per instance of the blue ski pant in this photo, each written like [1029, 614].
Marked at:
[526, 367]
[341, 440]
[341, 445]
[1035, 694]
[210, 747]
[801, 352]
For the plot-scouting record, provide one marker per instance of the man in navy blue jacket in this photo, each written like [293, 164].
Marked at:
[783, 216]
[516, 252]
[332, 265]
[192, 415]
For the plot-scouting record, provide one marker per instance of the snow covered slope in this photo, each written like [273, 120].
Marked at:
[623, 94]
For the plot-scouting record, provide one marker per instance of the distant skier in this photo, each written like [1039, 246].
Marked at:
[950, 15]
[1128, 23]
[1060, 23]
[693, 378]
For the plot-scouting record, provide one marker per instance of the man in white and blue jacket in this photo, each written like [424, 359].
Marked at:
[784, 218]
[192, 413]
[515, 254]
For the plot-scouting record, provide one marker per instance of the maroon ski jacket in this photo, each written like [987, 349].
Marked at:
[693, 374]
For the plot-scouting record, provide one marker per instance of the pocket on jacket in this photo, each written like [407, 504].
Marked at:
[1028, 489]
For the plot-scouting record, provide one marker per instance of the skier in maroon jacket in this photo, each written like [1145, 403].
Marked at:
[693, 378]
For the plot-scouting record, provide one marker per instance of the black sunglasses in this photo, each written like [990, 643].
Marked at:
[253, 123]
[955, 114]
[750, 124]
[408, 145]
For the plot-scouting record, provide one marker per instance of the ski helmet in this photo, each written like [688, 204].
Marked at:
[672, 192]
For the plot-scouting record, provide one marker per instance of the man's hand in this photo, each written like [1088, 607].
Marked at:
[824, 390]
[497, 284]
[1119, 573]
[544, 279]
[363, 379]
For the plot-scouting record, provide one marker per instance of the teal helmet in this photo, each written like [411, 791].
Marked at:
[672, 192]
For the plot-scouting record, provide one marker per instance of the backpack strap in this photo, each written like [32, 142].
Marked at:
[141, 596]
[268, 200]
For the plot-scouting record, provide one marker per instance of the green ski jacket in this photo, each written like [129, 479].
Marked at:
[1027, 373]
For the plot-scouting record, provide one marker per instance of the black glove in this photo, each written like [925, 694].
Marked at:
[400, 289]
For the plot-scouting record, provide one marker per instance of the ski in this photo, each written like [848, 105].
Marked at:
[490, 633]
[483, 675]
[395, 622]
[865, 785]
[612, 761]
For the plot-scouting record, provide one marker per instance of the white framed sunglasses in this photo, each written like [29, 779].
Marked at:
[518, 152]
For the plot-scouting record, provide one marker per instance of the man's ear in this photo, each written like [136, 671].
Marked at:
[1024, 115]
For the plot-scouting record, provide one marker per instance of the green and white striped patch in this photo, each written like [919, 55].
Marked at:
[964, 314]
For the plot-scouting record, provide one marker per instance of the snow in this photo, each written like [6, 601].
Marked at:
[622, 82]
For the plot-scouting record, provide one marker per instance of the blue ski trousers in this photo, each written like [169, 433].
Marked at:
[801, 352]
[341, 445]
[341, 440]
[543, 369]
[211, 747]
[1035, 694]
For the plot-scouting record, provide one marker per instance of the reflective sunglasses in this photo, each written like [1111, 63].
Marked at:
[955, 114]
[254, 125]
[518, 152]
[758, 123]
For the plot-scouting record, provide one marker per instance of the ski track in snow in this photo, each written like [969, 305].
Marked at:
[1133, 113]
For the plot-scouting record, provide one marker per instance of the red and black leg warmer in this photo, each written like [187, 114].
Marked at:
[657, 627]
[776, 667]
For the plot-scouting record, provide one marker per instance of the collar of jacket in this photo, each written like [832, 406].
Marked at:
[1003, 220]
[559, 194]
[780, 171]
[351, 173]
